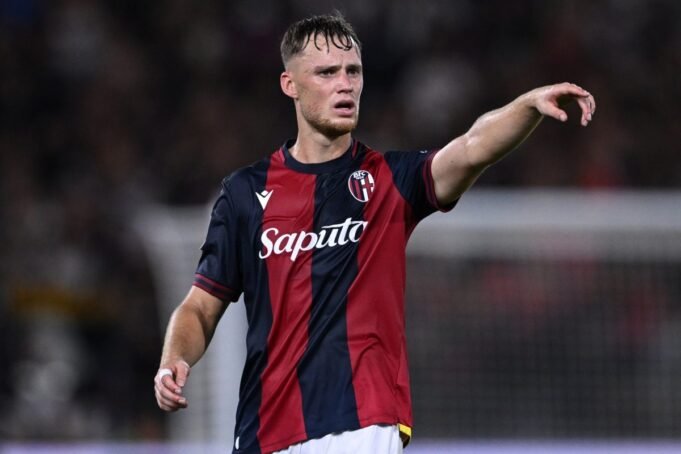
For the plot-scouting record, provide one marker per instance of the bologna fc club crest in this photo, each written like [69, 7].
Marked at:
[361, 185]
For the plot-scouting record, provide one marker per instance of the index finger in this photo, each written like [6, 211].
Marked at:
[582, 97]
[574, 89]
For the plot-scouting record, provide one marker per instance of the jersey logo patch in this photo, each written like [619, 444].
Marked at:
[264, 197]
[361, 185]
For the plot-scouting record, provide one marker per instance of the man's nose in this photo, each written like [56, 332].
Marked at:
[344, 82]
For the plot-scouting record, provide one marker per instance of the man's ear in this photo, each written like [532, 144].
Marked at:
[288, 86]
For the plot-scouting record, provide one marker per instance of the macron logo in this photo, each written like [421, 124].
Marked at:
[264, 197]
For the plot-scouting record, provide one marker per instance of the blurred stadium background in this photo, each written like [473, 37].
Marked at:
[549, 310]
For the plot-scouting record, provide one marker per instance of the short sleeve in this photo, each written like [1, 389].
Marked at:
[413, 178]
[218, 271]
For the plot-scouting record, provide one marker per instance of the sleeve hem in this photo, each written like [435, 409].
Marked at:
[430, 186]
[215, 288]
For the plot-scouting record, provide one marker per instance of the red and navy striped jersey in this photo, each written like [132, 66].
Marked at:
[318, 251]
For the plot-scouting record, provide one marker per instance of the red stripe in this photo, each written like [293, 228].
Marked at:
[376, 325]
[281, 412]
[215, 289]
[216, 293]
[213, 283]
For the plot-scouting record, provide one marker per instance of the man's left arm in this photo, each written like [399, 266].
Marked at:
[456, 166]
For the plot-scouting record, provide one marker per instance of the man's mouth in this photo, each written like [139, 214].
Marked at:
[345, 107]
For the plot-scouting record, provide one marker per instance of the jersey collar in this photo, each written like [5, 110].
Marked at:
[322, 167]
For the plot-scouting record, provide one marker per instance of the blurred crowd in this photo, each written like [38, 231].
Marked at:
[108, 106]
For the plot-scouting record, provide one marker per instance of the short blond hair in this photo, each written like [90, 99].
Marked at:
[332, 27]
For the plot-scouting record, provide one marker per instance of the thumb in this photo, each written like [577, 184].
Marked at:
[553, 111]
[182, 373]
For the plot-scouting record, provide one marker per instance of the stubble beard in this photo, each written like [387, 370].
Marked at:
[331, 128]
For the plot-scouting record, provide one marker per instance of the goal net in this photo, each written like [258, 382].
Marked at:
[530, 314]
[172, 237]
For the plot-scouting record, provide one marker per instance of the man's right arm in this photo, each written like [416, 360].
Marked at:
[189, 332]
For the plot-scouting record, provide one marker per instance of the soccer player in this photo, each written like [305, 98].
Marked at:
[314, 237]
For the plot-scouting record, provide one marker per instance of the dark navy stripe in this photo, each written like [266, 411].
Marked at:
[259, 316]
[334, 165]
[325, 372]
[411, 177]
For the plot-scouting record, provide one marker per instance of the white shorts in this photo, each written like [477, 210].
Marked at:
[377, 439]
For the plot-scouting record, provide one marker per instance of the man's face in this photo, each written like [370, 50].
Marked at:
[328, 83]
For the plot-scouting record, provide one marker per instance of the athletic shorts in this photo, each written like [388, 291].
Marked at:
[376, 439]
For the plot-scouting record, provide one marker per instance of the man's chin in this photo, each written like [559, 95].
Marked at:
[339, 127]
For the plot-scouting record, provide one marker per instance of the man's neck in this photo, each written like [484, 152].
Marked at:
[313, 149]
